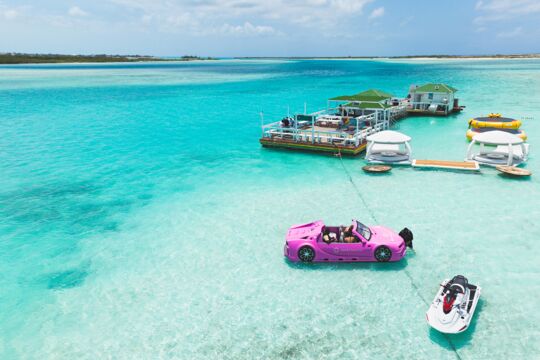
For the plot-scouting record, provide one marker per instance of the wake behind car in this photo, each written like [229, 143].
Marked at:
[316, 242]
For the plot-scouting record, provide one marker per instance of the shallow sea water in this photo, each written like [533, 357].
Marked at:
[140, 218]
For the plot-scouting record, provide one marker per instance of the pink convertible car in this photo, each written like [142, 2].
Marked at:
[316, 242]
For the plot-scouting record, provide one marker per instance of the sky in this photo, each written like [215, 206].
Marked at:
[227, 28]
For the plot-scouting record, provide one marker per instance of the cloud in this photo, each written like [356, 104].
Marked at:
[146, 19]
[509, 6]
[76, 11]
[377, 13]
[511, 34]
[301, 19]
[202, 19]
[10, 14]
[183, 20]
[497, 10]
[247, 30]
[406, 21]
[351, 6]
[212, 14]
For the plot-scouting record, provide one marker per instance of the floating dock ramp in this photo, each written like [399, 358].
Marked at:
[443, 164]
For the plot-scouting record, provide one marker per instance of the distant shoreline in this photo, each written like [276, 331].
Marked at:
[407, 57]
[19, 58]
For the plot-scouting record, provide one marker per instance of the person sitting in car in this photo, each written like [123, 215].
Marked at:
[329, 237]
[348, 236]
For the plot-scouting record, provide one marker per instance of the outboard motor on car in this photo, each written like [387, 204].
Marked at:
[407, 236]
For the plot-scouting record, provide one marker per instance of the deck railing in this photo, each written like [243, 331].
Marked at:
[309, 134]
[397, 112]
[425, 105]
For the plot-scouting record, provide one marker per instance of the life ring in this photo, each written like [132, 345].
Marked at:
[520, 133]
[512, 124]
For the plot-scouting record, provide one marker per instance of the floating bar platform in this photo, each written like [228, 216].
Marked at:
[347, 121]
[322, 132]
[443, 164]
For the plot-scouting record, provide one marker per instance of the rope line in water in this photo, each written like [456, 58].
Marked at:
[415, 287]
[356, 189]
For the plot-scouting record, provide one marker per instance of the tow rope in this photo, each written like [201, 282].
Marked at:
[370, 212]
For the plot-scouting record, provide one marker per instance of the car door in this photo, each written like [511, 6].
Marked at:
[351, 250]
[359, 249]
[367, 246]
[327, 248]
[339, 248]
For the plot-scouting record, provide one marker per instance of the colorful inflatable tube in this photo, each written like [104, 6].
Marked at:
[494, 123]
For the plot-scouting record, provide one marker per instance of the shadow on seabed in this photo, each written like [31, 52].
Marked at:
[457, 340]
[350, 266]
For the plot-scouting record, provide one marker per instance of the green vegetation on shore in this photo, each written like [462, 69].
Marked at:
[18, 58]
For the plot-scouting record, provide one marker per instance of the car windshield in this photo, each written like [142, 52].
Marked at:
[363, 230]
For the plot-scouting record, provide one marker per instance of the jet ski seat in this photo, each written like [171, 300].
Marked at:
[459, 283]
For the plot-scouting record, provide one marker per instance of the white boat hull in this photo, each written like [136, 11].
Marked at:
[457, 320]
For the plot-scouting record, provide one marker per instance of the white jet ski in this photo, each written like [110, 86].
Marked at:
[453, 307]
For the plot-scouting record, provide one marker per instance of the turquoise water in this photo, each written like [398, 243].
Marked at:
[140, 218]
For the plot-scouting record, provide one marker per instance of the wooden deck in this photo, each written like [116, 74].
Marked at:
[443, 164]
[309, 146]
[420, 112]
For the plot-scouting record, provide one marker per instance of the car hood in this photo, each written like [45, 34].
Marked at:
[304, 231]
[383, 235]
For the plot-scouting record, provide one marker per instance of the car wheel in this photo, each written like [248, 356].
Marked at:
[383, 254]
[306, 254]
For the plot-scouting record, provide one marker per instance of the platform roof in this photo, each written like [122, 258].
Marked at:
[372, 95]
[431, 88]
[368, 105]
